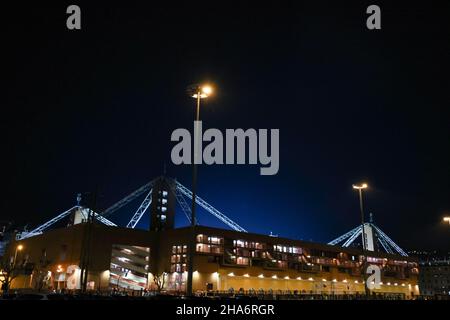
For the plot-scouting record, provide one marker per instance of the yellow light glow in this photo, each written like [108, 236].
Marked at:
[299, 278]
[344, 281]
[310, 279]
[334, 280]
[356, 281]
[287, 277]
[274, 276]
[363, 186]
[246, 275]
[207, 90]
[447, 219]
[231, 274]
[324, 280]
[204, 91]
[202, 96]
[261, 276]
[19, 247]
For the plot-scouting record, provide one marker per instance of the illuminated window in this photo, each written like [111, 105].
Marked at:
[242, 261]
[240, 243]
[214, 240]
[296, 250]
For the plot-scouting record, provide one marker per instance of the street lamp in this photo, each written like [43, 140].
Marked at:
[360, 189]
[197, 92]
[447, 219]
[18, 248]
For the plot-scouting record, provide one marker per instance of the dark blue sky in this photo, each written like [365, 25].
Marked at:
[95, 109]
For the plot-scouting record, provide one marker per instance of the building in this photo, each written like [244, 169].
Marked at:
[224, 261]
[434, 277]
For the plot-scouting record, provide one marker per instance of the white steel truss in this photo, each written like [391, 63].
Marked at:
[140, 211]
[179, 190]
[61, 216]
[386, 243]
[132, 196]
[345, 236]
[182, 202]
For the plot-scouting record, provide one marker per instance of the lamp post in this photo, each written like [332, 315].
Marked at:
[197, 92]
[18, 248]
[360, 189]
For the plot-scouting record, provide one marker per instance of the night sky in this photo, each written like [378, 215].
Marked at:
[94, 110]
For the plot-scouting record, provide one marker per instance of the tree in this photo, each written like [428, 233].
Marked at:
[40, 271]
[40, 278]
[9, 271]
[160, 280]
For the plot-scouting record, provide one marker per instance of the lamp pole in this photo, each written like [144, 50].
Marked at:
[198, 92]
[363, 234]
[18, 248]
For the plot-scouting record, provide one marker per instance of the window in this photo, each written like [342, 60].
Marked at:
[208, 248]
[179, 249]
[242, 261]
[296, 250]
[214, 240]
[240, 243]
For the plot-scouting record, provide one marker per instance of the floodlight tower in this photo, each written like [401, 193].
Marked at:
[197, 92]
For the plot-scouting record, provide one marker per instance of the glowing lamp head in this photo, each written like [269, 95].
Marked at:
[359, 187]
[19, 247]
[204, 91]
[207, 90]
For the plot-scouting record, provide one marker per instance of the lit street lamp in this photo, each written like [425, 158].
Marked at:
[360, 189]
[18, 248]
[197, 92]
[447, 219]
